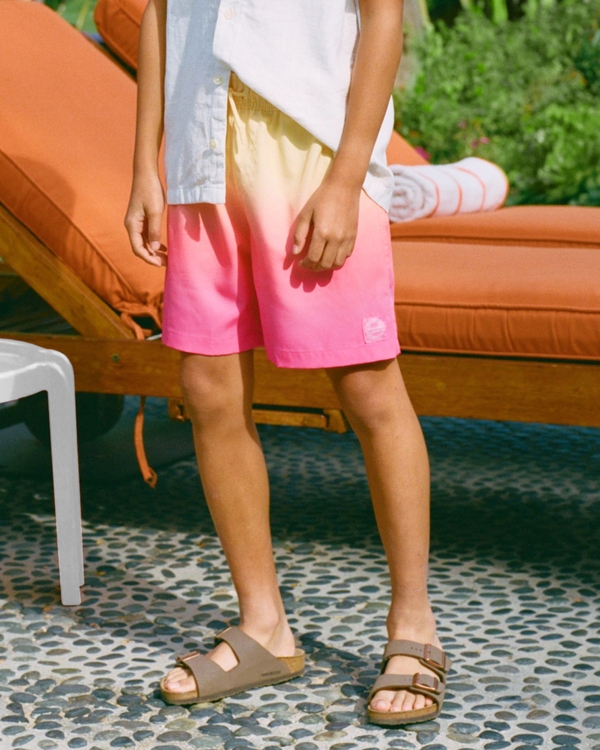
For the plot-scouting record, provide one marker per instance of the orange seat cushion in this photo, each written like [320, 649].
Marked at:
[66, 149]
[512, 300]
[118, 22]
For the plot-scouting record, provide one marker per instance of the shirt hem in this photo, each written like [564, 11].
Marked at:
[184, 196]
[378, 192]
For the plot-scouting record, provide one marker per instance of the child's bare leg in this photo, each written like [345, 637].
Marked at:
[378, 408]
[218, 397]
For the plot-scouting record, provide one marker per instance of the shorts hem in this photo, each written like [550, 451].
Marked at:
[388, 349]
[191, 344]
[308, 360]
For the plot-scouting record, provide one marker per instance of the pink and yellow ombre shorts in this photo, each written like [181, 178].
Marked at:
[232, 282]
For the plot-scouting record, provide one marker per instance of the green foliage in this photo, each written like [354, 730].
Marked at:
[524, 94]
[77, 12]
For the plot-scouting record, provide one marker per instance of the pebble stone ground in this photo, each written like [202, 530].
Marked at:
[514, 582]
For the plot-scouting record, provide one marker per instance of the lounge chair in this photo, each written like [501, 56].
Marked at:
[499, 314]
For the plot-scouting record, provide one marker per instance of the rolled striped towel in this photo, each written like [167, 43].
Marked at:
[467, 186]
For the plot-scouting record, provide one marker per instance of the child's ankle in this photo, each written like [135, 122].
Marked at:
[265, 624]
[410, 619]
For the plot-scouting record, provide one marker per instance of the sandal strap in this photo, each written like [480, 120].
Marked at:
[255, 664]
[207, 674]
[418, 683]
[254, 661]
[428, 655]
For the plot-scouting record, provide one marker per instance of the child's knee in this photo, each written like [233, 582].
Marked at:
[209, 395]
[370, 413]
[373, 399]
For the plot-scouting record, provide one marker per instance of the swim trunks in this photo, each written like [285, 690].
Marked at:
[232, 283]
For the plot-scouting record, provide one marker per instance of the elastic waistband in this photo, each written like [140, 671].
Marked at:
[246, 98]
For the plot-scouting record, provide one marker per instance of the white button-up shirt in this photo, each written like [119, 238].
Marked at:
[297, 54]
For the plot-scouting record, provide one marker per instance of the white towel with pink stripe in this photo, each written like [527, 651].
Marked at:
[467, 186]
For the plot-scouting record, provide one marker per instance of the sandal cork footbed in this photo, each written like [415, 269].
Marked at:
[429, 685]
[256, 667]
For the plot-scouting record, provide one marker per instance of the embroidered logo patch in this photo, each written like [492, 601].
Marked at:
[373, 330]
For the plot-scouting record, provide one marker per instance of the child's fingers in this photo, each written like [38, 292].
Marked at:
[312, 259]
[154, 218]
[150, 256]
[302, 230]
[134, 223]
[154, 259]
[340, 257]
[345, 250]
[329, 256]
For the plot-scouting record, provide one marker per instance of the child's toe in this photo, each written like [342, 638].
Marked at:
[177, 680]
[420, 701]
[382, 700]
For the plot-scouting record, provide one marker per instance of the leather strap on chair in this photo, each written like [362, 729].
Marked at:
[140, 333]
[148, 472]
[150, 476]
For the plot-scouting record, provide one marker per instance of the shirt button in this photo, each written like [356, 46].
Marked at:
[217, 80]
[229, 13]
[213, 144]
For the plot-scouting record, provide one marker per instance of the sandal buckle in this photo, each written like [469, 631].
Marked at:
[429, 660]
[416, 684]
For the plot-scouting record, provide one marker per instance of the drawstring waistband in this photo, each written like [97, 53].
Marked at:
[246, 98]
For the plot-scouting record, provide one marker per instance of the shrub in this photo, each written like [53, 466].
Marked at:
[524, 94]
[77, 12]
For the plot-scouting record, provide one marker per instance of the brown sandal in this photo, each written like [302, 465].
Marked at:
[420, 684]
[256, 667]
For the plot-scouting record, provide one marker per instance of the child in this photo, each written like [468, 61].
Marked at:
[276, 118]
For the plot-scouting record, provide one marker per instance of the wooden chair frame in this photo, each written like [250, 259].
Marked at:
[108, 359]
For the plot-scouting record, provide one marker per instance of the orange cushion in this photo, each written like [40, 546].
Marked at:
[400, 151]
[66, 147]
[562, 226]
[498, 300]
[118, 22]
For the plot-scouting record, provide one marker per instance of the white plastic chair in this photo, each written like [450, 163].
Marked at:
[26, 369]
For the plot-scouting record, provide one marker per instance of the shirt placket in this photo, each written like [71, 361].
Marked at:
[226, 30]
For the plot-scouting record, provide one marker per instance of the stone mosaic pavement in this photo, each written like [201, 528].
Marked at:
[514, 581]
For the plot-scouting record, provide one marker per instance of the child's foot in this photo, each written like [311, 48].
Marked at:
[279, 641]
[403, 700]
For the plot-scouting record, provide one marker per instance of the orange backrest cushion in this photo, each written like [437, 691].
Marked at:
[400, 151]
[67, 124]
[118, 22]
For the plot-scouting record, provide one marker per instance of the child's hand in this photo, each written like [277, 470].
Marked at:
[144, 219]
[331, 214]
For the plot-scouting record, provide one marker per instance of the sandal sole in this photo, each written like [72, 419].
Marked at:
[398, 718]
[192, 698]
